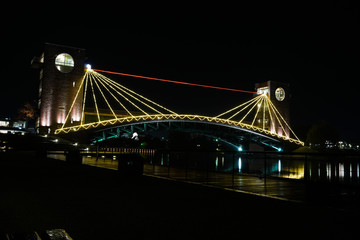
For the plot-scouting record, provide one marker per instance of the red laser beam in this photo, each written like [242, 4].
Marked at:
[172, 81]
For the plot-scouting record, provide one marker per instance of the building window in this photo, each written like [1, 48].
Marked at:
[4, 123]
[263, 90]
[64, 62]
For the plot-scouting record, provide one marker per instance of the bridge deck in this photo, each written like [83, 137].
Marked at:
[177, 117]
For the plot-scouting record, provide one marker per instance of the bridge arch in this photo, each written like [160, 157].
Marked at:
[230, 132]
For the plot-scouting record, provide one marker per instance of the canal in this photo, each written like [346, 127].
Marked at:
[332, 168]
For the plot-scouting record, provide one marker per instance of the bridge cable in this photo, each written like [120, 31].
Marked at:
[72, 105]
[244, 105]
[116, 99]
[111, 83]
[257, 102]
[172, 81]
[257, 111]
[94, 97]
[272, 121]
[105, 85]
[112, 111]
[84, 100]
[284, 121]
[124, 89]
[114, 87]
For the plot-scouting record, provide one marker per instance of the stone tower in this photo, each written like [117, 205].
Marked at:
[279, 95]
[61, 73]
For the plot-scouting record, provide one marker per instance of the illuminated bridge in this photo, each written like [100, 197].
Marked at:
[109, 108]
[73, 101]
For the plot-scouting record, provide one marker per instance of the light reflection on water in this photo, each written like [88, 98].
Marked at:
[336, 168]
[309, 167]
[288, 168]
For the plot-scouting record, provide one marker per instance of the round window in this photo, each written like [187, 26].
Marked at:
[280, 94]
[64, 62]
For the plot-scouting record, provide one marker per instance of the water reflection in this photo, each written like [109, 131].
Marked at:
[346, 171]
[342, 168]
[309, 167]
[286, 167]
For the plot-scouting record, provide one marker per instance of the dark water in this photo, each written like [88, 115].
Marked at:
[330, 168]
[340, 168]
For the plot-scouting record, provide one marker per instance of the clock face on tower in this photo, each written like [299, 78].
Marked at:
[64, 62]
[280, 94]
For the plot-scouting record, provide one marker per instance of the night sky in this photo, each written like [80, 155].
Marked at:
[314, 47]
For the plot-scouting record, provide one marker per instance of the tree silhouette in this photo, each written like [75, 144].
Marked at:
[27, 112]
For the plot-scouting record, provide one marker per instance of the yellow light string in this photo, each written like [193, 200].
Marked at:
[257, 111]
[105, 82]
[122, 105]
[271, 118]
[119, 87]
[250, 101]
[132, 96]
[285, 122]
[139, 95]
[84, 99]
[245, 107]
[171, 116]
[250, 110]
[72, 105]
[94, 97]
[264, 101]
[111, 85]
[129, 94]
[112, 111]
[279, 121]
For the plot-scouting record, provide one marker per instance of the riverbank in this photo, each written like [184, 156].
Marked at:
[95, 203]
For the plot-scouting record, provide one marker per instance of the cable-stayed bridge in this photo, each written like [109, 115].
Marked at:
[109, 107]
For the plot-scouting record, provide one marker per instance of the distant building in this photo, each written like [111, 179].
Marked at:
[21, 124]
[8, 126]
[5, 122]
[340, 145]
[61, 72]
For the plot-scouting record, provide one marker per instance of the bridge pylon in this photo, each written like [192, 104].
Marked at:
[61, 73]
